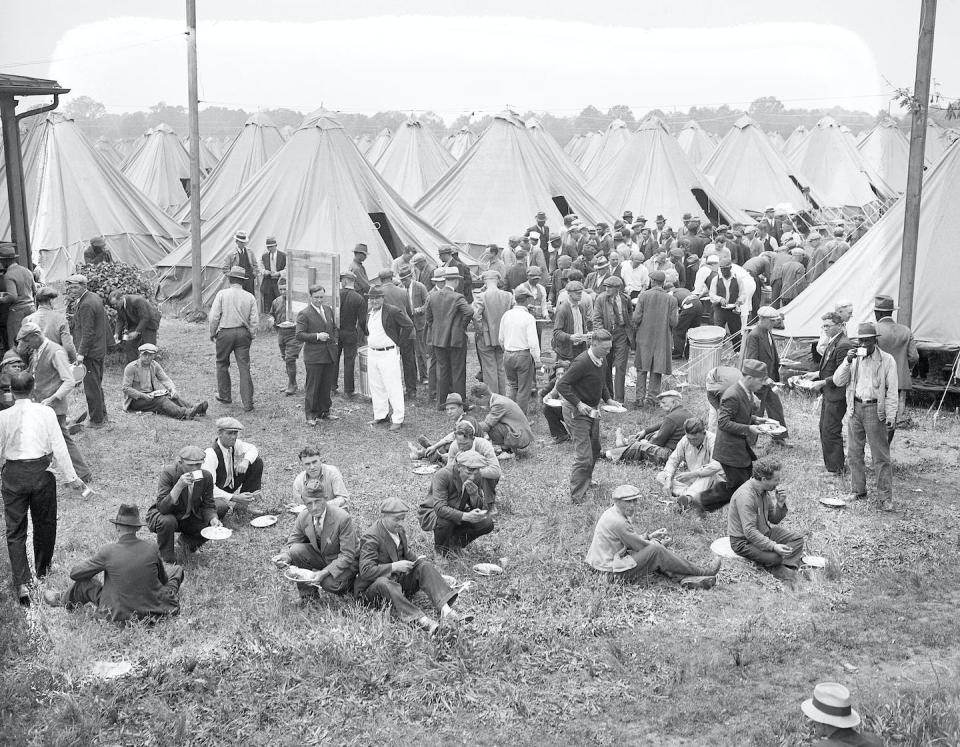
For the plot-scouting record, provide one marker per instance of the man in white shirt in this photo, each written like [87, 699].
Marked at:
[233, 324]
[521, 349]
[694, 453]
[319, 477]
[236, 466]
[386, 326]
[636, 277]
[29, 435]
[540, 306]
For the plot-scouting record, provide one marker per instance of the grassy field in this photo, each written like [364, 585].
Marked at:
[554, 656]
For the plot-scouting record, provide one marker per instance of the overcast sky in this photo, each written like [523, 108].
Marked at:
[369, 55]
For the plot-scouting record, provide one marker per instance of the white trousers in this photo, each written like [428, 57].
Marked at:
[386, 383]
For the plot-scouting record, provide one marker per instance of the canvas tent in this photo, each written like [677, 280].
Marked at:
[214, 145]
[652, 175]
[573, 145]
[872, 267]
[106, 150]
[593, 142]
[830, 161]
[776, 139]
[752, 173]
[73, 195]
[160, 168]
[461, 141]
[207, 158]
[696, 143]
[256, 144]
[496, 189]
[316, 194]
[546, 141]
[363, 142]
[615, 137]
[796, 137]
[414, 161]
[887, 150]
[379, 145]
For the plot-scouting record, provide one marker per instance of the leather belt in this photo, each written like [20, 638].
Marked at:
[865, 401]
[380, 350]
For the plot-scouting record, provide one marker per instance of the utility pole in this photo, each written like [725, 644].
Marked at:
[194, 114]
[918, 136]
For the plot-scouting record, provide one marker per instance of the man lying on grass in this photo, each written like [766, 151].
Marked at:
[390, 573]
[623, 555]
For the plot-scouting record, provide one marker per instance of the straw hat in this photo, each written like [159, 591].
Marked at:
[830, 705]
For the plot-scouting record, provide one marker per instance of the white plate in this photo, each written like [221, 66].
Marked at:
[722, 548]
[107, 670]
[614, 408]
[297, 509]
[815, 561]
[487, 569]
[216, 533]
[771, 430]
[506, 456]
[425, 469]
[789, 363]
[550, 402]
[833, 502]
[79, 371]
[302, 575]
[263, 521]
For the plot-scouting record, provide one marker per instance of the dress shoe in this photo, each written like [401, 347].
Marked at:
[248, 409]
[204, 406]
[783, 573]
[887, 506]
[424, 442]
[23, 595]
[290, 390]
[53, 598]
[379, 421]
[698, 582]
[394, 427]
[312, 423]
[74, 429]
[856, 497]
[224, 401]
[713, 568]
[561, 439]
[98, 425]
[328, 416]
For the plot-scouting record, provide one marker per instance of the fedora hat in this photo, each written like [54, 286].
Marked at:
[237, 272]
[884, 303]
[867, 329]
[830, 705]
[753, 367]
[128, 516]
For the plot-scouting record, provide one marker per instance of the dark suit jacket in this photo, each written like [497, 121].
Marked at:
[758, 346]
[734, 441]
[419, 302]
[337, 543]
[377, 552]
[563, 328]
[137, 314]
[133, 580]
[897, 339]
[448, 315]
[396, 323]
[281, 262]
[544, 232]
[90, 326]
[833, 356]
[447, 492]
[309, 324]
[353, 315]
[516, 275]
[466, 279]
[199, 505]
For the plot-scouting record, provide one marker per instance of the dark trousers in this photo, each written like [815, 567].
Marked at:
[172, 407]
[93, 389]
[249, 482]
[347, 350]
[397, 589]
[165, 526]
[554, 418]
[235, 341]
[771, 406]
[689, 318]
[769, 558]
[730, 320]
[79, 463]
[423, 354]
[521, 376]
[304, 555]
[269, 290]
[88, 590]
[408, 359]
[320, 380]
[831, 433]
[720, 494]
[28, 486]
[617, 359]
[129, 347]
[448, 535]
[585, 434]
[451, 372]
[655, 558]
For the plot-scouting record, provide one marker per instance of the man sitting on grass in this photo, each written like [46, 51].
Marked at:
[656, 442]
[694, 453]
[623, 555]
[136, 584]
[458, 504]
[184, 504]
[506, 425]
[490, 474]
[458, 412]
[390, 573]
[319, 477]
[147, 388]
[757, 507]
[236, 466]
[322, 540]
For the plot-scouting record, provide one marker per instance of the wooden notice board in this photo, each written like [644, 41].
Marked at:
[309, 268]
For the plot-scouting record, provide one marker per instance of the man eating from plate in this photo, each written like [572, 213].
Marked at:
[459, 504]
[147, 388]
[321, 547]
[317, 476]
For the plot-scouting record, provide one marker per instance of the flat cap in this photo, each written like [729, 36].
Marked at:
[191, 454]
[28, 328]
[489, 275]
[555, 239]
[471, 459]
[753, 367]
[229, 424]
[346, 274]
[520, 293]
[574, 286]
[77, 280]
[626, 493]
[657, 276]
[10, 356]
[147, 347]
[534, 271]
[612, 281]
[445, 249]
[418, 258]
[564, 262]
[768, 312]
[669, 393]
[393, 506]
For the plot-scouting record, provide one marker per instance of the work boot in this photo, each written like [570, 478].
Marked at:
[698, 582]
[291, 378]
[783, 573]
[713, 568]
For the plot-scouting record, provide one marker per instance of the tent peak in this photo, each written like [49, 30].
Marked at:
[653, 123]
[164, 129]
[320, 119]
[259, 119]
[743, 122]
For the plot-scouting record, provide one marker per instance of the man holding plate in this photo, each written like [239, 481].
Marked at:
[235, 464]
[317, 476]
[147, 388]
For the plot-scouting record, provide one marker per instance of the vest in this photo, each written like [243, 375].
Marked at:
[731, 288]
[220, 478]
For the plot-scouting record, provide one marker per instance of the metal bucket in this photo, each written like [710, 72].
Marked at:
[705, 343]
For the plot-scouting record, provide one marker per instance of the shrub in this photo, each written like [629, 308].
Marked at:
[106, 277]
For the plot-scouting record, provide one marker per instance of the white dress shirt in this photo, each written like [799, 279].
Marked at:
[30, 431]
[242, 450]
[518, 331]
[634, 278]
[377, 336]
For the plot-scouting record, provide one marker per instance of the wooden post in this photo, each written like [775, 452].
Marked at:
[918, 135]
[194, 118]
[19, 225]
